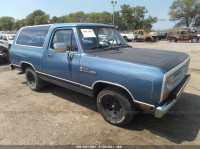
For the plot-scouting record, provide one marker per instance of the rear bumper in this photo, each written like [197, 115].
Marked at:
[160, 111]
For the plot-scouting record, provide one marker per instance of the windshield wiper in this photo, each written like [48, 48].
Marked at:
[124, 45]
[101, 47]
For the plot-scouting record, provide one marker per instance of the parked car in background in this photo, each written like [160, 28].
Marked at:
[162, 35]
[153, 33]
[182, 35]
[128, 36]
[141, 35]
[98, 62]
[6, 40]
[4, 54]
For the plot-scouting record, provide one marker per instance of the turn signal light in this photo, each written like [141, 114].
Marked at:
[146, 107]
[165, 97]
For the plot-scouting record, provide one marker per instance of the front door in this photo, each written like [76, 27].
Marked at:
[141, 35]
[64, 71]
[185, 35]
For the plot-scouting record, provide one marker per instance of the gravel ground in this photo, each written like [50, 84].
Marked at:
[58, 116]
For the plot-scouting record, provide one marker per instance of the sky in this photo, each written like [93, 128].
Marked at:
[19, 9]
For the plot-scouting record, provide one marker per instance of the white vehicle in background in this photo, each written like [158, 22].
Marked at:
[128, 36]
[153, 33]
[6, 40]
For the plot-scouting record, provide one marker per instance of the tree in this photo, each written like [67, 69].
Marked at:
[134, 18]
[6, 23]
[185, 12]
[18, 24]
[197, 19]
[103, 18]
[76, 17]
[43, 19]
[147, 23]
[128, 18]
[37, 17]
[54, 20]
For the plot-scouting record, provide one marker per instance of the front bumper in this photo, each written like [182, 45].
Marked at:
[160, 111]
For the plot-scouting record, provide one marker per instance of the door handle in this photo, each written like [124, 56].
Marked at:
[50, 55]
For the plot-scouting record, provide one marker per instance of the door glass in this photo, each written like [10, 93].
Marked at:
[30, 36]
[65, 37]
[184, 32]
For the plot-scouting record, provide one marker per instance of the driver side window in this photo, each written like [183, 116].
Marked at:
[184, 32]
[65, 37]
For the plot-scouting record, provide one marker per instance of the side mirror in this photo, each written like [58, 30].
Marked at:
[60, 47]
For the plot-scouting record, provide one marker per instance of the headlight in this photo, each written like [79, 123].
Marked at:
[168, 84]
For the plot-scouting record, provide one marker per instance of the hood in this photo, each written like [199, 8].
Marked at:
[166, 60]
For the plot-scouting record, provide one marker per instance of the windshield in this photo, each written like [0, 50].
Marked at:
[11, 37]
[93, 38]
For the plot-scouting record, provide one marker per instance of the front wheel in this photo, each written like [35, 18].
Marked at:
[149, 40]
[115, 106]
[173, 40]
[194, 39]
[33, 81]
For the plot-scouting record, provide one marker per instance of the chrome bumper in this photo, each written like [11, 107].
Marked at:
[160, 111]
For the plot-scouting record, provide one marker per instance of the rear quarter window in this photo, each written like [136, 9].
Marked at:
[33, 36]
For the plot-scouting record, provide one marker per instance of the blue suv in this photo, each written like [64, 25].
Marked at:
[95, 60]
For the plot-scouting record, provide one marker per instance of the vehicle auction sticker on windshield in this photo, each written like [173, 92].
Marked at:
[88, 33]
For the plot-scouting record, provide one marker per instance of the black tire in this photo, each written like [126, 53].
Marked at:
[173, 40]
[148, 40]
[194, 39]
[7, 59]
[115, 106]
[33, 81]
[125, 38]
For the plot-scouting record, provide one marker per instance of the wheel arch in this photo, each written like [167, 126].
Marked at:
[97, 86]
[195, 37]
[148, 39]
[24, 65]
[173, 38]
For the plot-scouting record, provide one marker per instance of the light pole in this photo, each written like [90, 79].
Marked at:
[113, 3]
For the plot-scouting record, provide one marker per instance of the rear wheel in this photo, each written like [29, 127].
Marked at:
[148, 40]
[194, 39]
[33, 81]
[115, 106]
[173, 40]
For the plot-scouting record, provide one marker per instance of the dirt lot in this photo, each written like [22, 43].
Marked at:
[58, 116]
